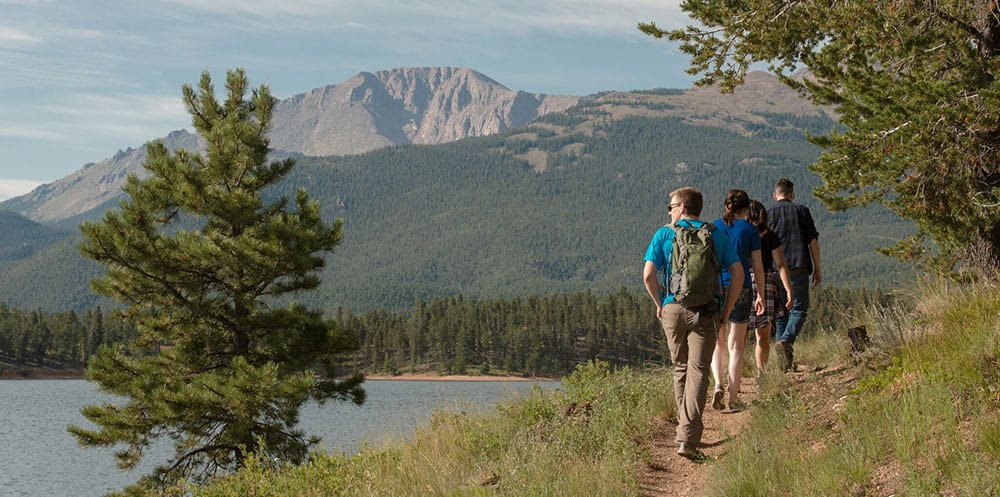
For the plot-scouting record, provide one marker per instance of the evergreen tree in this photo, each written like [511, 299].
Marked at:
[915, 84]
[199, 260]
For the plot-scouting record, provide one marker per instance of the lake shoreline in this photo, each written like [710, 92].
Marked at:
[13, 373]
[456, 377]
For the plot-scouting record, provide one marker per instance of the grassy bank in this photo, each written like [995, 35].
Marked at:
[917, 413]
[582, 439]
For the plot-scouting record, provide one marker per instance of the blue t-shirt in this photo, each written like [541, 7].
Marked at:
[662, 245]
[745, 239]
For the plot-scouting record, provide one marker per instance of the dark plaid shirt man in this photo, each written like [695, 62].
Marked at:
[794, 225]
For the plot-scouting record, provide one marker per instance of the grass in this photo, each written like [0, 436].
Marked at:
[916, 414]
[533, 446]
[921, 416]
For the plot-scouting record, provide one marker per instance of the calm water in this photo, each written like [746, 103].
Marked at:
[39, 458]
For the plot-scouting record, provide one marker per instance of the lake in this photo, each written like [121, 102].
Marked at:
[39, 458]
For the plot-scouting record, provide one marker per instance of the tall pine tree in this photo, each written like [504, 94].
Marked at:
[914, 82]
[201, 261]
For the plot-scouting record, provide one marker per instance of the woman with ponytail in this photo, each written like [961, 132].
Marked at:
[746, 241]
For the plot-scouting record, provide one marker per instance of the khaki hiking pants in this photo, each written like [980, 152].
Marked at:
[691, 338]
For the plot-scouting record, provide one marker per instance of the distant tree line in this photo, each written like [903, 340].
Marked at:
[544, 335]
[531, 335]
[60, 339]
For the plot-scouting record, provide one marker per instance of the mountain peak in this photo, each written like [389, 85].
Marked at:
[435, 76]
[419, 105]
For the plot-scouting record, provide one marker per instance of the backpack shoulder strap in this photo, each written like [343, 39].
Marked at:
[677, 225]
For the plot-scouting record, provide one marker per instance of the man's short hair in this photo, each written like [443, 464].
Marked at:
[784, 186]
[691, 199]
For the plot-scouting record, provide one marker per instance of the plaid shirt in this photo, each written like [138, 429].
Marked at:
[794, 226]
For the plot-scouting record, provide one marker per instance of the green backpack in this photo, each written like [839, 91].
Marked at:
[695, 271]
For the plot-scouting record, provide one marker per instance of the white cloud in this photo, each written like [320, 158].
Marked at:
[26, 2]
[10, 188]
[594, 17]
[357, 26]
[33, 132]
[132, 108]
[10, 36]
[263, 8]
[83, 119]
[127, 119]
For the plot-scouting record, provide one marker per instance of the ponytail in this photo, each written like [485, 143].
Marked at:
[736, 201]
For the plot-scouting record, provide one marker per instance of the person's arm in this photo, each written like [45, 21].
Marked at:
[814, 253]
[736, 270]
[653, 287]
[757, 265]
[786, 277]
[810, 233]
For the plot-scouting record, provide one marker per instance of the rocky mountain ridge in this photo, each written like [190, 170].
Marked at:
[408, 105]
[423, 105]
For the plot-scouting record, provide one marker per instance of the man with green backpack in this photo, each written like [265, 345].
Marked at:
[690, 254]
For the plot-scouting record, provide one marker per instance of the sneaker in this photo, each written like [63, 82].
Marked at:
[783, 354]
[717, 400]
[689, 451]
[737, 405]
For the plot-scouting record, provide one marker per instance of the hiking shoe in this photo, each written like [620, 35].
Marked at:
[690, 452]
[737, 405]
[717, 400]
[783, 354]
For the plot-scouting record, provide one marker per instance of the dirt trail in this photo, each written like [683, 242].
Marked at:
[668, 474]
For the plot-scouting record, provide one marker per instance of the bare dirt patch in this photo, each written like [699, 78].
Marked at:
[538, 159]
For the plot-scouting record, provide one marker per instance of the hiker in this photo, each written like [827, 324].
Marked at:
[773, 259]
[746, 243]
[794, 226]
[691, 318]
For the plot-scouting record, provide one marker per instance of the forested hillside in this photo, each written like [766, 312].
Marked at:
[20, 237]
[563, 205]
[473, 218]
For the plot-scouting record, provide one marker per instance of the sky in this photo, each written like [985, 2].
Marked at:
[81, 79]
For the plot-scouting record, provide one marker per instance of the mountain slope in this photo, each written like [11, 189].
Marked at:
[21, 237]
[95, 185]
[371, 110]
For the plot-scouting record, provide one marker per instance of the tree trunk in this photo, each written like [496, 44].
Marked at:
[988, 25]
[983, 253]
